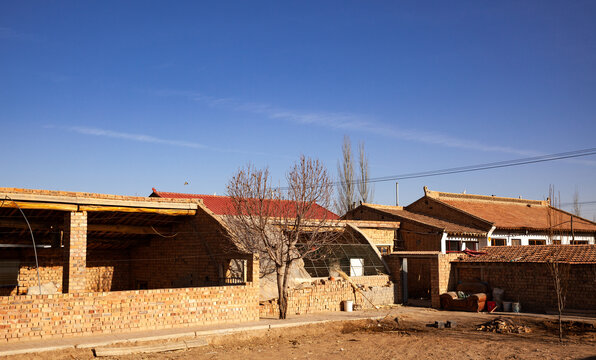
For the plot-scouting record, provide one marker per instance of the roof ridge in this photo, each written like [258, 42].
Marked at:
[425, 217]
[476, 197]
[179, 193]
[381, 206]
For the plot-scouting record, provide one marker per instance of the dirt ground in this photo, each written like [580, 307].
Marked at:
[411, 336]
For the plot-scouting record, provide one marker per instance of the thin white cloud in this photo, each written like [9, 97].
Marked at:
[346, 121]
[155, 140]
[355, 122]
[135, 137]
[7, 33]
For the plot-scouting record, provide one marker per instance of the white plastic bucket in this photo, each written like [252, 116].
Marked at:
[507, 306]
[516, 307]
[348, 305]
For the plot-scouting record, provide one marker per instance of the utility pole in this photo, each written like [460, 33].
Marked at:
[396, 193]
[572, 233]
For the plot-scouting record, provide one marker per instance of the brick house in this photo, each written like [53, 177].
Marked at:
[421, 232]
[375, 234]
[441, 221]
[434, 228]
[115, 263]
[357, 253]
[516, 221]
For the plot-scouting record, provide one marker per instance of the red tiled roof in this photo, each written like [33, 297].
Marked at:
[448, 226]
[572, 254]
[223, 205]
[512, 213]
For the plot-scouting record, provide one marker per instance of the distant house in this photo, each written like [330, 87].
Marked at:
[516, 221]
[420, 232]
[441, 221]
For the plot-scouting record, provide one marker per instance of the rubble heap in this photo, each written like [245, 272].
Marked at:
[503, 326]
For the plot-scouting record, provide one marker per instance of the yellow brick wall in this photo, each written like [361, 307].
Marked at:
[379, 236]
[327, 295]
[55, 316]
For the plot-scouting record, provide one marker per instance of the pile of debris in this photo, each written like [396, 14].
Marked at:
[386, 324]
[503, 326]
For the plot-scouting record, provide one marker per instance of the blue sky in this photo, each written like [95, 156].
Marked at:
[119, 97]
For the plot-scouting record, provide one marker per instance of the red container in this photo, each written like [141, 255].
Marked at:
[490, 306]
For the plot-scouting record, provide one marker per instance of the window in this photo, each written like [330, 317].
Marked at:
[579, 242]
[384, 250]
[515, 242]
[498, 242]
[398, 241]
[536, 242]
[556, 242]
[472, 245]
[356, 267]
[453, 245]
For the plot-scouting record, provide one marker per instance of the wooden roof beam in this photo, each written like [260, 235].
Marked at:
[170, 212]
[123, 229]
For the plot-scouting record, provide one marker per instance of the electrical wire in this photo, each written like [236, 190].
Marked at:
[471, 168]
[6, 197]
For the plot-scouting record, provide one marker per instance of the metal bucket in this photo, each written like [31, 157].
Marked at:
[348, 305]
[507, 306]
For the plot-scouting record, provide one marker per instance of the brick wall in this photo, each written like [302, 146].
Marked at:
[379, 236]
[420, 238]
[197, 256]
[532, 284]
[108, 270]
[327, 295]
[439, 210]
[62, 315]
[394, 264]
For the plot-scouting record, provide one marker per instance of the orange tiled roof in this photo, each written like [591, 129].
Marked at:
[572, 254]
[222, 205]
[512, 213]
[448, 226]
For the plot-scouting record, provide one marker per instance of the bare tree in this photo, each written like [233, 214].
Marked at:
[577, 208]
[558, 269]
[560, 275]
[346, 189]
[281, 225]
[364, 188]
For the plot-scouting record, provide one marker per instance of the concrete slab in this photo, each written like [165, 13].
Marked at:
[37, 349]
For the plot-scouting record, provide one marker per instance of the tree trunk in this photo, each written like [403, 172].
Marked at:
[282, 293]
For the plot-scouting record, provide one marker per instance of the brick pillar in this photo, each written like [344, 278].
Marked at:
[75, 247]
[252, 271]
[441, 277]
[394, 263]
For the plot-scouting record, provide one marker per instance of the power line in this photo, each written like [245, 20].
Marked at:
[477, 167]
[579, 203]
[486, 166]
